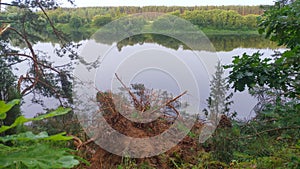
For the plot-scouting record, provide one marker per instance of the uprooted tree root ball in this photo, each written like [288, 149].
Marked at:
[186, 151]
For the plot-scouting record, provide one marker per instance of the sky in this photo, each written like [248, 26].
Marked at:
[86, 3]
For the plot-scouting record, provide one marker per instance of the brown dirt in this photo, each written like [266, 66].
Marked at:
[186, 150]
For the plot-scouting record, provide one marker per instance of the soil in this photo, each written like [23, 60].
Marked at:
[185, 151]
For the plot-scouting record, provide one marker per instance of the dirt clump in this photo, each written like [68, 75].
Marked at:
[181, 149]
[185, 150]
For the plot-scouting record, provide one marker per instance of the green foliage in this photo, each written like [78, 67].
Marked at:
[67, 122]
[171, 23]
[101, 20]
[215, 18]
[130, 25]
[281, 73]
[26, 28]
[75, 22]
[81, 23]
[128, 163]
[28, 150]
[281, 24]
[8, 92]
[221, 19]
[250, 21]
[64, 18]
[202, 160]
[34, 24]
[5, 107]
[29, 136]
[220, 145]
[205, 160]
[21, 119]
[274, 132]
[7, 80]
[219, 99]
[270, 139]
[284, 157]
[251, 70]
[36, 156]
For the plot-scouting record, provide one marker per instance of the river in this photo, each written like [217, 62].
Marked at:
[133, 59]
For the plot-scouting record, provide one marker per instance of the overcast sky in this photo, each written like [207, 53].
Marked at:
[85, 3]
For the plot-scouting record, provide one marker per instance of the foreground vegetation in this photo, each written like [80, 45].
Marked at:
[270, 140]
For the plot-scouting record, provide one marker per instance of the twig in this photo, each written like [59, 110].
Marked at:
[4, 28]
[135, 100]
[85, 143]
[40, 81]
[17, 54]
[170, 101]
[176, 111]
[7, 4]
[112, 109]
[51, 24]
[266, 131]
[33, 57]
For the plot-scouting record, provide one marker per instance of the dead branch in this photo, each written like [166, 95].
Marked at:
[169, 102]
[18, 54]
[85, 143]
[108, 102]
[270, 130]
[38, 66]
[3, 28]
[58, 35]
[137, 104]
[31, 86]
[33, 57]
[176, 111]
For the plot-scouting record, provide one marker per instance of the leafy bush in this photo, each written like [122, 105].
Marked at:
[270, 139]
[101, 20]
[29, 150]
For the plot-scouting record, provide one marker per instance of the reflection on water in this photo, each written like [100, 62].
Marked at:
[220, 42]
[226, 47]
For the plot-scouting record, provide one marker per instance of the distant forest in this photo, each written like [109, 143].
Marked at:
[89, 12]
[81, 23]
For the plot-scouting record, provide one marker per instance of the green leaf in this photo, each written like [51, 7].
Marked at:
[2, 116]
[4, 148]
[59, 137]
[38, 156]
[24, 136]
[29, 136]
[21, 120]
[5, 107]
[59, 111]
[248, 73]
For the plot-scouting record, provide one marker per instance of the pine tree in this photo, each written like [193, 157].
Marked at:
[218, 104]
[219, 99]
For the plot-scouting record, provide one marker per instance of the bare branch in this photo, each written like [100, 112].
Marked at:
[137, 104]
[270, 130]
[169, 102]
[58, 35]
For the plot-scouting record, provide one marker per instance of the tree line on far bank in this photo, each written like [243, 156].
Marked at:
[212, 17]
[89, 19]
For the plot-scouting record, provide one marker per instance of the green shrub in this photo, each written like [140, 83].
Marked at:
[29, 150]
